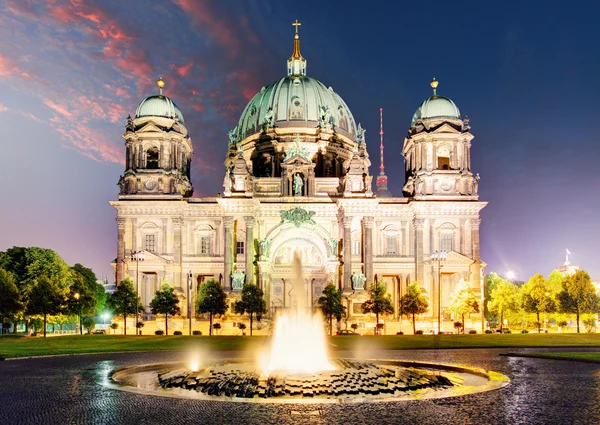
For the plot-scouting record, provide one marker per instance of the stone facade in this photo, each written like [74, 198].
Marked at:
[302, 186]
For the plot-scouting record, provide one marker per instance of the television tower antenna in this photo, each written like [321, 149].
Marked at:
[382, 189]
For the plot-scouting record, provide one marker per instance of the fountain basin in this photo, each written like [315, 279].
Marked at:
[351, 381]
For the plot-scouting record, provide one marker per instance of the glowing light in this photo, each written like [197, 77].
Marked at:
[510, 275]
[299, 343]
[194, 365]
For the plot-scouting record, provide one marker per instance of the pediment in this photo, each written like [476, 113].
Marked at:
[454, 257]
[445, 128]
[297, 159]
[149, 128]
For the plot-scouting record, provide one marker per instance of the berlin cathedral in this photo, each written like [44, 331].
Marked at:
[297, 179]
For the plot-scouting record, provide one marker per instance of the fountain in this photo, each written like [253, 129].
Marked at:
[297, 368]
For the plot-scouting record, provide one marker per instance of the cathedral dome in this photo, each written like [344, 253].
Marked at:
[296, 101]
[158, 106]
[436, 107]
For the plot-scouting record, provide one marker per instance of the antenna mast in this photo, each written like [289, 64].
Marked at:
[382, 189]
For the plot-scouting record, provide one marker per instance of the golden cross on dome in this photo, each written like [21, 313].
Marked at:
[296, 24]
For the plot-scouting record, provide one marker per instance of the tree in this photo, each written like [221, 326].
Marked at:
[10, 299]
[577, 295]
[330, 304]
[45, 298]
[81, 299]
[413, 303]
[91, 283]
[379, 301]
[28, 264]
[165, 302]
[463, 301]
[211, 300]
[555, 280]
[537, 297]
[252, 302]
[490, 282]
[124, 300]
[503, 298]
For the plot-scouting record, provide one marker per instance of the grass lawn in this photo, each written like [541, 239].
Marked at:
[11, 346]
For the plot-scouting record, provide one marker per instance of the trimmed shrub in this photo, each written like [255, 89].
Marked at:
[419, 332]
[472, 332]
[177, 333]
[354, 326]
[159, 332]
[399, 333]
[524, 331]
[196, 332]
[488, 331]
[217, 326]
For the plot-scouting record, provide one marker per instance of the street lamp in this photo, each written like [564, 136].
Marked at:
[137, 256]
[76, 296]
[439, 256]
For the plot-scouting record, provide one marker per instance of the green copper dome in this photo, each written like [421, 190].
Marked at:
[436, 107]
[295, 101]
[158, 106]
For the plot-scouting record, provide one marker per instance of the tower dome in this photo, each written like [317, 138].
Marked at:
[158, 106]
[436, 107]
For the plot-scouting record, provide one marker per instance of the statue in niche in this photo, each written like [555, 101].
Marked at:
[368, 183]
[328, 168]
[263, 244]
[298, 184]
[333, 245]
[358, 281]
[237, 280]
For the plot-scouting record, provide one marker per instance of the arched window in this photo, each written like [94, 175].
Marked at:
[152, 158]
[443, 158]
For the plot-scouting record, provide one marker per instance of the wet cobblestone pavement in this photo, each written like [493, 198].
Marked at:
[66, 390]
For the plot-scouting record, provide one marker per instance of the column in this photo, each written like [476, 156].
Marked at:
[164, 249]
[419, 266]
[347, 223]
[368, 247]
[121, 223]
[228, 249]
[177, 251]
[476, 267]
[134, 243]
[249, 249]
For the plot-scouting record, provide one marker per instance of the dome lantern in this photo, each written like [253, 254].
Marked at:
[296, 64]
[436, 107]
[159, 105]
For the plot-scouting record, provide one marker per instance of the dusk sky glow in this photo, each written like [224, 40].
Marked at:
[525, 74]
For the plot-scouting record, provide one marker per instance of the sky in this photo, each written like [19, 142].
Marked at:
[525, 75]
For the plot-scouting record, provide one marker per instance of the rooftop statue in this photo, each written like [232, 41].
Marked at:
[297, 150]
[233, 136]
[360, 136]
[358, 281]
[325, 118]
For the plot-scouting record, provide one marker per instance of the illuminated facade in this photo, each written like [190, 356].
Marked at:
[297, 179]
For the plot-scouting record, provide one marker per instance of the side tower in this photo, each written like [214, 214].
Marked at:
[445, 204]
[437, 152]
[158, 151]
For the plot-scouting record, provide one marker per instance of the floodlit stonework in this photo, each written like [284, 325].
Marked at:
[297, 179]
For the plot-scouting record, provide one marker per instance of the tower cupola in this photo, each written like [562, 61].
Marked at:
[437, 152]
[158, 151]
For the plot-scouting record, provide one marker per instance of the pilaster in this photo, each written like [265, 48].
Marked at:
[368, 247]
[418, 224]
[249, 248]
[228, 251]
[121, 226]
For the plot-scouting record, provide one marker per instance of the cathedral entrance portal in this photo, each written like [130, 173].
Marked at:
[313, 255]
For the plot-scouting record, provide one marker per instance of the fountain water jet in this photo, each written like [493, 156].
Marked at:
[299, 344]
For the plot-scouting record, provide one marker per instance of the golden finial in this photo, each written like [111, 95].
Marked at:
[296, 53]
[160, 83]
[434, 83]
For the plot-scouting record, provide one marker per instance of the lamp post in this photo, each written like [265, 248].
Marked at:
[439, 256]
[137, 256]
[76, 296]
[189, 296]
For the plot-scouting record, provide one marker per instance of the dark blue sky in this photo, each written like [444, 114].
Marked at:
[525, 74]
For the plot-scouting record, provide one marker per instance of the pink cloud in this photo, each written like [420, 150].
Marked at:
[3, 108]
[7, 66]
[183, 70]
[58, 108]
[210, 22]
